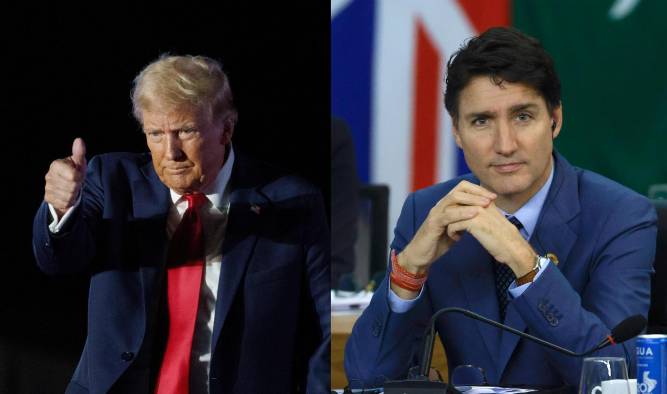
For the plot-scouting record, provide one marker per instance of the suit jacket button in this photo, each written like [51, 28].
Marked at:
[552, 319]
[542, 306]
[377, 329]
[127, 356]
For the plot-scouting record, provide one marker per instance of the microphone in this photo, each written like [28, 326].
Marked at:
[628, 328]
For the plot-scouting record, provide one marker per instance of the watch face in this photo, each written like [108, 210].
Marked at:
[543, 262]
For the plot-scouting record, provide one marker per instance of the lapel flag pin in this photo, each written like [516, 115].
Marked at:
[256, 209]
[553, 258]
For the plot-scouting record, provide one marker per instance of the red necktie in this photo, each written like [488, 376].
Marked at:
[185, 265]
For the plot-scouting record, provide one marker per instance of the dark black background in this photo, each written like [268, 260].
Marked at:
[68, 73]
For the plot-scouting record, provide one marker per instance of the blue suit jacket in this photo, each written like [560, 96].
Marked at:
[604, 237]
[272, 318]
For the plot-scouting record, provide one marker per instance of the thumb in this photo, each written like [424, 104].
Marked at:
[79, 153]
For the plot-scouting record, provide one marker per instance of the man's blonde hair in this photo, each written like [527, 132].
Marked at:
[184, 83]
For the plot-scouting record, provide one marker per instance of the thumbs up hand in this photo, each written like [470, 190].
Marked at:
[65, 178]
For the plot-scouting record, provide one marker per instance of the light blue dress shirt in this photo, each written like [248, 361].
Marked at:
[527, 215]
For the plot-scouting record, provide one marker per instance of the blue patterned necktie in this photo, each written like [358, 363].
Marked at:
[504, 276]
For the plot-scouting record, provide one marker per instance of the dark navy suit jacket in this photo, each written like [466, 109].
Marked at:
[272, 319]
[604, 236]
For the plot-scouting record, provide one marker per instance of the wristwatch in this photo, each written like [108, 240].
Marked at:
[540, 263]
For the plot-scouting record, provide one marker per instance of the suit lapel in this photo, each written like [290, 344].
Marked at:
[246, 207]
[508, 341]
[474, 266]
[557, 228]
[554, 233]
[150, 202]
[151, 198]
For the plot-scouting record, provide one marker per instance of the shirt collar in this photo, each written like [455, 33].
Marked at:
[215, 191]
[530, 211]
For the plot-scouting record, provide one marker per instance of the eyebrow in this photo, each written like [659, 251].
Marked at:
[186, 126]
[522, 107]
[492, 114]
[482, 114]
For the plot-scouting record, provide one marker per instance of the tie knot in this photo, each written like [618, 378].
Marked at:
[195, 200]
[515, 222]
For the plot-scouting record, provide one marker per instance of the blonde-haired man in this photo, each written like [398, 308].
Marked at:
[210, 272]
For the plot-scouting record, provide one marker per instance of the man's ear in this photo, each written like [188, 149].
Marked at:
[456, 133]
[556, 121]
[227, 131]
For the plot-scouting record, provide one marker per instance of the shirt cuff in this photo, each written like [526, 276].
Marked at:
[399, 305]
[516, 291]
[56, 225]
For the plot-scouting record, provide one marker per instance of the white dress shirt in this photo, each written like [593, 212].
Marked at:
[528, 215]
[214, 220]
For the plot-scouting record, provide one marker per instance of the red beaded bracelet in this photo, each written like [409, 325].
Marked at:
[404, 279]
[403, 284]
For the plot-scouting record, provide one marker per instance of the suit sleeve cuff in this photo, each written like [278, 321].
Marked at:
[399, 305]
[516, 291]
[56, 225]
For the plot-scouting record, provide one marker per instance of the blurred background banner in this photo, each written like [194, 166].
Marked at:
[611, 58]
[388, 59]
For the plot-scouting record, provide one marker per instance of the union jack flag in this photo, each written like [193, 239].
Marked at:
[388, 59]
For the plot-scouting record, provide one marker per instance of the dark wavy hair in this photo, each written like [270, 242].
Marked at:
[504, 54]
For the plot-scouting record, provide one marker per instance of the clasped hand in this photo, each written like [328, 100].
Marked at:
[467, 208]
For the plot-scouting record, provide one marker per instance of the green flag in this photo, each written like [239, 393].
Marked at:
[612, 60]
